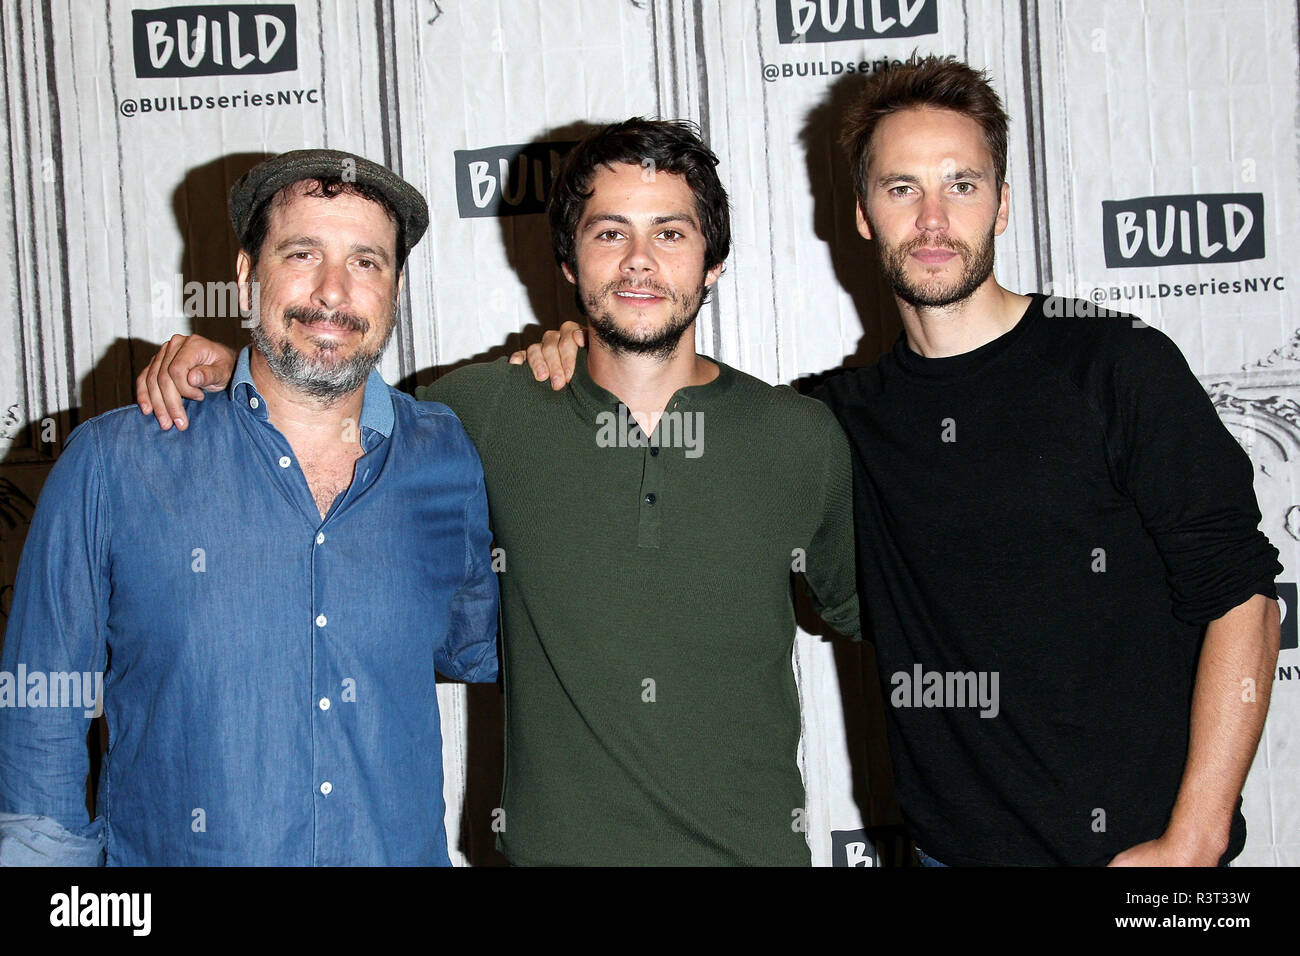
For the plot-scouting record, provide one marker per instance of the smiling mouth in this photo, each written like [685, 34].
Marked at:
[326, 326]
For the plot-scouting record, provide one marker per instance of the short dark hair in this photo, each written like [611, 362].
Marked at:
[668, 146]
[940, 82]
[321, 188]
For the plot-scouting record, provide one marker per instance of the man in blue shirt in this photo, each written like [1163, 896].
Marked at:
[265, 601]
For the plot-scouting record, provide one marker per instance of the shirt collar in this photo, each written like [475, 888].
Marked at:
[596, 397]
[376, 405]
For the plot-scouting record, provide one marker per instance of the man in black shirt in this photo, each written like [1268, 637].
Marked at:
[1059, 556]
[1060, 561]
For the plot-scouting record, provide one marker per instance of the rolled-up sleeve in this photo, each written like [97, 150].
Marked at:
[30, 840]
[56, 629]
[470, 651]
[1191, 482]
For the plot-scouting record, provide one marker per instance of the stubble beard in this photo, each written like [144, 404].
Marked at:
[321, 376]
[659, 343]
[977, 266]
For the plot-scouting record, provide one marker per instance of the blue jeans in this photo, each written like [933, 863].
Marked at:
[926, 859]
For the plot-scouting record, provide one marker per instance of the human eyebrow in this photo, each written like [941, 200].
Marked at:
[298, 242]
[372, 252]
[604, 217]
[681, 217]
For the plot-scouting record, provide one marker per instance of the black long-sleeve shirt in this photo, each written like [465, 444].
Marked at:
[1058, 513]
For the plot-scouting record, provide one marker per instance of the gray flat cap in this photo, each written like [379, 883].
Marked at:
[266, 179]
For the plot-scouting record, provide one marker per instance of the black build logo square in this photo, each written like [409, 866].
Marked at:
[1182, 230]
[825, 21]
[229, 39]
[509, 180]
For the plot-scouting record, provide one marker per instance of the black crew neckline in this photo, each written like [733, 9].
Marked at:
[952, 366]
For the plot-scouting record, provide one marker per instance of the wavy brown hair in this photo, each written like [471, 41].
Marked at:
[940, 82]
[666, 146]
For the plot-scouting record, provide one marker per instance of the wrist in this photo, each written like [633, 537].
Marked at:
[1196, 842]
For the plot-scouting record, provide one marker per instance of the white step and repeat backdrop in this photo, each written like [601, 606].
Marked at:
[1153, 168]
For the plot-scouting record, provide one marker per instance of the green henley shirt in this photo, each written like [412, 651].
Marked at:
[648, 620]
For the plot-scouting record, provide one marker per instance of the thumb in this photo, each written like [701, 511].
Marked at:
[203, 376]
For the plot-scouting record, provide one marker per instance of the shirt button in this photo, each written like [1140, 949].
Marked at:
[253, 402]
[324, 703]
[326, 787]
[650, 498]
[320, 620]
[320, 537]
[284, 461]
[654, 450]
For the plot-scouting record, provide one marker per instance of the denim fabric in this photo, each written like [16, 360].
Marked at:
[926, 860]
[268, 675]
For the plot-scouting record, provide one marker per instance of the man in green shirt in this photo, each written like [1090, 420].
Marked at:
[651, 709]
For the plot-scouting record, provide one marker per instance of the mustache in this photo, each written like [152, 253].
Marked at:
[349, 321]
[937, 242]
[648, 285]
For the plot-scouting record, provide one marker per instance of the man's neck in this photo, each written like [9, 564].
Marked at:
[305, 420]
[939, 332]
[645, 383]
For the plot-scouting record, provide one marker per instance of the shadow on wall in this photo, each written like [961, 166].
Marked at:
[835, 223]
[526, 239]
[201, 204]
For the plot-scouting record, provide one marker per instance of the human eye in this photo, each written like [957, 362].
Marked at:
[963, 188]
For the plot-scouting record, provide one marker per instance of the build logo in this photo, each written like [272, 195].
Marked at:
[825, 21]
[506, 180]
[1178, 230]
[215, 40]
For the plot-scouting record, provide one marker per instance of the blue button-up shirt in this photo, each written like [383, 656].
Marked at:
[268, 676]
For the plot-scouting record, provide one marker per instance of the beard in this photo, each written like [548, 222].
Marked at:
[322, 375]
[658, 343]
[935, 293]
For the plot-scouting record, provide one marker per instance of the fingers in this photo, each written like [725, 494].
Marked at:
[172, 385]
[142, 387]
[555, 356]
[569, 345]
[152, 376]
[538, 361]
[554, 362]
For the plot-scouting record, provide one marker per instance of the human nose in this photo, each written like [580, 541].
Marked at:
[332, 286]
[932, 216]
[638, 257]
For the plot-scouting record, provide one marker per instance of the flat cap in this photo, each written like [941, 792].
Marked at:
[267, 178]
